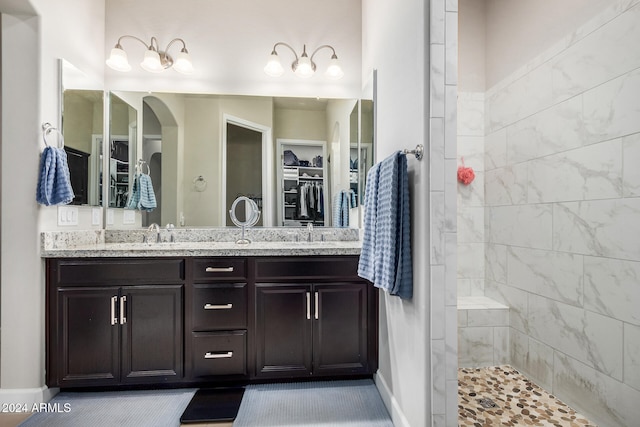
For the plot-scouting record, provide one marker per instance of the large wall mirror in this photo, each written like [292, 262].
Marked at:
[82, 124]
[292, 156]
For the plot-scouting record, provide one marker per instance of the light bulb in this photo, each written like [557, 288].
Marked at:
[118, 59]
[304, 67]
[274, 66]
[183, 63]
[151, 62]
[334, 71]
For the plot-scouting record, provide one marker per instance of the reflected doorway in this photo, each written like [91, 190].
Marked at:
[244, 166]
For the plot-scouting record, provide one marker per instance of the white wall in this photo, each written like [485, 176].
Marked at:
[395, 44]
[33, 44]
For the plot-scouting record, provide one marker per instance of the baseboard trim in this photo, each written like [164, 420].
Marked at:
[28, 396]
[397, 415]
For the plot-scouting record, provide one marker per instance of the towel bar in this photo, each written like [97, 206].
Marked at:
[418, 152]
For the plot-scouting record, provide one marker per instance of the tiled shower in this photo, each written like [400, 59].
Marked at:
[550, 227]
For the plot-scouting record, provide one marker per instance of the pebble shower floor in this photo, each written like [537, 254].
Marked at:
[501, 396]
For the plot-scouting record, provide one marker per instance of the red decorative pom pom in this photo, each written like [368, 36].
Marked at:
[465, 175]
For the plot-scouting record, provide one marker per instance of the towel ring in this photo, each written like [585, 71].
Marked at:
[47, 128]
[140, 167]
[199, 183]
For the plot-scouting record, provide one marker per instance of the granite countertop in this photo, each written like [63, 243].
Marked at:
[93, 244]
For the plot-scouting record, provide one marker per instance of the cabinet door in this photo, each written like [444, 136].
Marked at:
[283, 330]
[88, 336]
[340, 328]
[152, 334]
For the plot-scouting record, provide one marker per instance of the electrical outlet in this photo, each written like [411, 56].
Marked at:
[67, 215]
[95, 216]
[128, 217]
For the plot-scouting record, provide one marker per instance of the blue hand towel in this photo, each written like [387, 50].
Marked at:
[54, 182]
[147, 196]
[134, 197]
[385, 259]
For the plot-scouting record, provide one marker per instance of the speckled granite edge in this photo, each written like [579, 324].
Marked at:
[231, 234]
[199, 242]
[51, 240]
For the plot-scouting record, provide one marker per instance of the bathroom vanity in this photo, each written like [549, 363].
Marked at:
[117, 317]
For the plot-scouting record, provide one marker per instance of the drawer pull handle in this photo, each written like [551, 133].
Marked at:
[218, 306]
[316, 306]
[219, 269]
[210, 355]
[123, 316]
[308, 306]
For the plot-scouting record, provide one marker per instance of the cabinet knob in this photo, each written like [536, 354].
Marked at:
[218, 269]
[218, 306]
[211, 355]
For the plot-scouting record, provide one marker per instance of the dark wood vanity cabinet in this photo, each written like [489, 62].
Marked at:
[314, 318]
[206, 321]
[107, 327]
[217, 324]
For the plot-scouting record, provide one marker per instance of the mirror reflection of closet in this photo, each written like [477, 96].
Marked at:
[152, 155]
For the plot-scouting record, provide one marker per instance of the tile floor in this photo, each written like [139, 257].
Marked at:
[518, 401]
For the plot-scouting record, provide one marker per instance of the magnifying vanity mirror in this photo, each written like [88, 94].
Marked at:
[244, 213]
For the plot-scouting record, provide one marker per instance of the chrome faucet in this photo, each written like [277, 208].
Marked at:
[310, 229]
[155, 227]
[172, 235]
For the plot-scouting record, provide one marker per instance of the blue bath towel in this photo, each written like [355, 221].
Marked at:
[54, 182]
[147, 196]
[341, 209]
[385, 258]
[134, 197]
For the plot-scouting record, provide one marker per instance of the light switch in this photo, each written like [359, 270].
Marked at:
[95, 216]
[67, 215]
[128, 217]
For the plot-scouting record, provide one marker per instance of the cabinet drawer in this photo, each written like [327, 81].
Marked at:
[219, 269]
[317, 268]
[219, 353]
[219, 306]
[118, 271]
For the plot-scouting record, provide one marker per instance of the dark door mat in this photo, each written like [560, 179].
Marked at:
[213, 404]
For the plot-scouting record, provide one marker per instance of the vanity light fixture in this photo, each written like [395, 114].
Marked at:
[303, 66]
[155, 60]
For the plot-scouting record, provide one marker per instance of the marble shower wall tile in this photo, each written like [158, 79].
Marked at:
[472, 194]
[612, 109]
[526, 225]
[437, 303]
[525, 96]
[608, 228]
[451, 269]
[471, 149]
[598, 56]
[507, 185]
[438, 378]
[606, 401]
[471, 260]
[555, 275]
[437, 80]
[632, 356]
[451, 46]
[539, 363]
[470, 114]
[470, 224]
[592, 172]
[515, 299]
[470, 287]
[593, 339]
[549, 131]
[495, 263]
[436, 27]
[630, 167]
[437, 228]
[436, 154]
[612, 288]
[475, 347]
[495, 149]
[450, 121]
